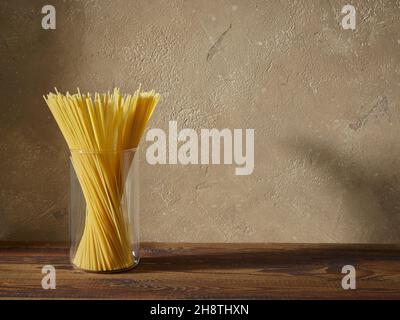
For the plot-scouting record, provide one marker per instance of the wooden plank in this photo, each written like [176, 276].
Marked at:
[207, 271]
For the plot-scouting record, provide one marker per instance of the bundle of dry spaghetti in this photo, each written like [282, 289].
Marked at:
[97, 128]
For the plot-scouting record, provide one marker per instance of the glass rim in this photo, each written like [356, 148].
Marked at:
[86, 151]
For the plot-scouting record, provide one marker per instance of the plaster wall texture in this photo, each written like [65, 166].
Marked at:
[324, 103]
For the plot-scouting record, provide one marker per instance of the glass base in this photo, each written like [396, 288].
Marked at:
[135, 263]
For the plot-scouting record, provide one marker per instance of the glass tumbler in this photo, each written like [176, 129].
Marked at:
[104, 226]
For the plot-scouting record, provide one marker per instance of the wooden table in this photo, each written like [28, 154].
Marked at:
[207, 271]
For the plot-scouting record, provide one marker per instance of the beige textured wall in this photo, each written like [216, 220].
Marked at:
[324, 103]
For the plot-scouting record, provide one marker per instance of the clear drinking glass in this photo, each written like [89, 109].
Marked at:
[104, 226]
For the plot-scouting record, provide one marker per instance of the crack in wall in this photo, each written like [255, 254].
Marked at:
[217, 45]
[381, 106]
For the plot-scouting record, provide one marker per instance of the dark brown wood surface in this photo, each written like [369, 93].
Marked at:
[206, 271]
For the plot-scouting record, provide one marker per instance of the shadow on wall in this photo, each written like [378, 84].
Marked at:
[372, 195]
[33, 162]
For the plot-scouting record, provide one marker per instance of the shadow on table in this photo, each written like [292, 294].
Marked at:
[306, 259]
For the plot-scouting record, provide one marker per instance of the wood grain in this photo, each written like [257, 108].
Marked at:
[207, 271]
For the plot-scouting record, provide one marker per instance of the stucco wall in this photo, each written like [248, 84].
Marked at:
[324, 103]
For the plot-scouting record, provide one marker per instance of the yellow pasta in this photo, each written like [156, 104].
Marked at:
[97, 128]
